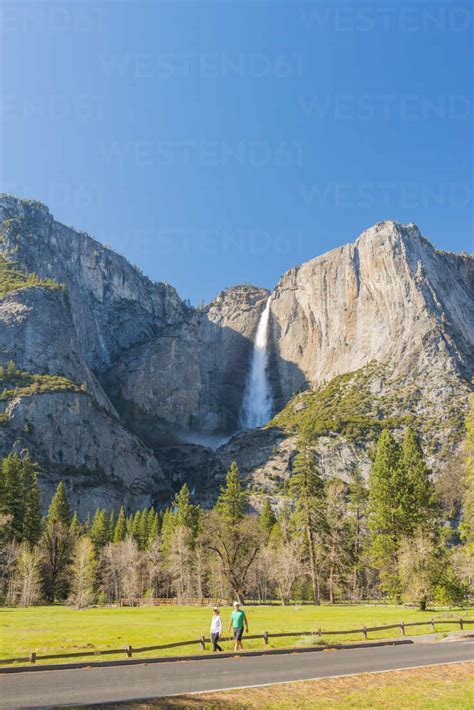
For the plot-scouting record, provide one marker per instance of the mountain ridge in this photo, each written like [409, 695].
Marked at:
[157, 370]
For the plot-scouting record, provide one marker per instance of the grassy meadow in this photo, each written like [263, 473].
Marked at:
[445, 687]
[55, 629]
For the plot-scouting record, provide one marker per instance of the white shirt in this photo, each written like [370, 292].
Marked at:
[216, 624]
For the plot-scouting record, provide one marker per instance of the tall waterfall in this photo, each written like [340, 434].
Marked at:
[257, 402]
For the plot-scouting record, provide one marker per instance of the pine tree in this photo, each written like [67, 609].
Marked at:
[232, 500]
[111, 528]
[267, 516]
[306, 485]
[153, 527]
[13, 497]
[143, 530]
[135, 527]
[185, 512]
[75, 527]
[389, 493]
[421, 513]
[357, 507]
[120, 531]
[31, 524]
[99, 533]
[58, 511]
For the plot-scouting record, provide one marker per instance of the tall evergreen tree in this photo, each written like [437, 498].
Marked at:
[120, 531]
[13, 504]
[421, 510]
[99, 533]
[135, 527]
[75, 527]
[59, 511]
[31, 524]
[267, 516]
[153, 526]
[389, 501]
[143, 530]
[232, 500]
[357, 508]
[111, 527]
[306, 485]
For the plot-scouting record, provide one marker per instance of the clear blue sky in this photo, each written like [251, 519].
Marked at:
[215, 143]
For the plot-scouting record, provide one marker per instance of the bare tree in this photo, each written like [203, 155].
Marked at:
[25, 589]
[83, 573]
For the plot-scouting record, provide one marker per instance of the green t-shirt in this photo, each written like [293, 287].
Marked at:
[238, 619]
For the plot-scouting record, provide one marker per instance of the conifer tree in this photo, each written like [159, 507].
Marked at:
[58, 511]
[153, 527]
[99, 533]
[143, 530]
[13, 497]
[306, 485]
[31, 524]
[232, 500]
[135, 527]
[75, 527]
[357, 508]
[389, 495]
[111, 527]
[120, 531]
[186, 514]
[421, 512]
[267, 516]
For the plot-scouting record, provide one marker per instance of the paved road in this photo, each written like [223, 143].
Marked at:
[94, 685]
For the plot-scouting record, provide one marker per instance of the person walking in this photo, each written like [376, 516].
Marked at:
[238, 620]
[216, 630]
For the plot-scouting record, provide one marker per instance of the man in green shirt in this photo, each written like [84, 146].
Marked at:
[238, 620]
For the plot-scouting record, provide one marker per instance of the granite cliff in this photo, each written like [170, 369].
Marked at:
[124, 391]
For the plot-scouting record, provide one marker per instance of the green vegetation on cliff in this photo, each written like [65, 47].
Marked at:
[346, 405]
[12, 279]
[18, 383]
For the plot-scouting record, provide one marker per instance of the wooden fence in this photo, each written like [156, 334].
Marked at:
[265, 636]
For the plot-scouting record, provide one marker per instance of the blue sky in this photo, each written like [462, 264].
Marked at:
[216, 143]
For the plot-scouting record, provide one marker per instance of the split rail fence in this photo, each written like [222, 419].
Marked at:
[265, 636]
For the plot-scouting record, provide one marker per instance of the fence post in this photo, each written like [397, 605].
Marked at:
[364, 631]
[402, 628]
[432, 624]
[461, 624]
[202, 641]
[33, 657]
[128, 651]
[265, 637]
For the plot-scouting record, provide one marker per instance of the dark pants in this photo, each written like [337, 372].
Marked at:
[215, 645]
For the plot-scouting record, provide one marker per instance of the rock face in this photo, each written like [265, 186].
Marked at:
[155, 383]
[389, 297]
[192, 375]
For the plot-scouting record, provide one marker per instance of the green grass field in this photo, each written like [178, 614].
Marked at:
[446, 687]
[55, 629]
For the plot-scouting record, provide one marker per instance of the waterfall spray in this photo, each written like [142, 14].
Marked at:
[257, 402]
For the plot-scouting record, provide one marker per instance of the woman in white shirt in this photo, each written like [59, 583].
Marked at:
[216, 629]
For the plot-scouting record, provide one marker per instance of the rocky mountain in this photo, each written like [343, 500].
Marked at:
[124, 391]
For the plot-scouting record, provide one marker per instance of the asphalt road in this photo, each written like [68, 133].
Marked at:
[95, 685]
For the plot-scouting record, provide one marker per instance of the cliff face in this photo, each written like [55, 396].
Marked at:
[191, 376]
[388, 297]
[149, 383]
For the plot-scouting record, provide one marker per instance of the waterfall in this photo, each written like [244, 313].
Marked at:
[257, 402]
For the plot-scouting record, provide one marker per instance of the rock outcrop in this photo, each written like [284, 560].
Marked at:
[154, 383]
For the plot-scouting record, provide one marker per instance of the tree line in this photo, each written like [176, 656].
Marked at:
[327, 540]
